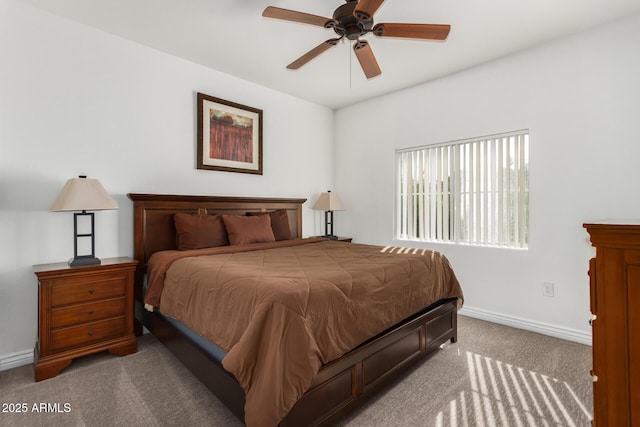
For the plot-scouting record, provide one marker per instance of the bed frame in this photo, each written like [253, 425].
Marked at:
[340, 385]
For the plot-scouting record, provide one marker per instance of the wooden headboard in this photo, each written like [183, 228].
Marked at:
[154, 230]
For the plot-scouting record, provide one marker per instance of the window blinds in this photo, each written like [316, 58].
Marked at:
[473, 191]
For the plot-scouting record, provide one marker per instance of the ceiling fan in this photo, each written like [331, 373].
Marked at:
[353, 20]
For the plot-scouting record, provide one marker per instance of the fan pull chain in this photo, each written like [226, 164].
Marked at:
[350, 64]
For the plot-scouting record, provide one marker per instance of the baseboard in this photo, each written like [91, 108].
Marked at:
[528, 325]
[13, 360]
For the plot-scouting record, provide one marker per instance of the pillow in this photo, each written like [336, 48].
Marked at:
[248, 229]
[199, 231]
[279, 223]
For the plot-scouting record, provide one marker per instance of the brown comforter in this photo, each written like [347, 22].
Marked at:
[281, 310]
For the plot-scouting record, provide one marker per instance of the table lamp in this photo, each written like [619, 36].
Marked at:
[328, 202]
[82, 194]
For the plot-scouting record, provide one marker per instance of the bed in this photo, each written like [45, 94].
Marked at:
[340, 384]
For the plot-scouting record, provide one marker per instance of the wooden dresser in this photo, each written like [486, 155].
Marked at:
[83, 310]
[615, 304]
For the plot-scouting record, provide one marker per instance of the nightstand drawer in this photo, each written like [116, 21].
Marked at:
[73, 315]
[98, 287]
[63, 339]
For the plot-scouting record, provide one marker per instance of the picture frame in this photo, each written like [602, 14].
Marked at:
[229, 136]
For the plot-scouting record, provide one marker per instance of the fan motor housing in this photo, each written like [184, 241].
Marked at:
[348, 25]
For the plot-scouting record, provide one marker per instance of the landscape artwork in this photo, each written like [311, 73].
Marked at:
[229, 136]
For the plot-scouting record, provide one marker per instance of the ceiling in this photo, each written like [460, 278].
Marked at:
[232, 36]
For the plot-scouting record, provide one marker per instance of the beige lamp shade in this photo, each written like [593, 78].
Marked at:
[83, 194]
[328, 202]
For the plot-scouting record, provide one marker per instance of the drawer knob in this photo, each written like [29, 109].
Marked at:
[91, 291]
[90, 312]
[90, 333]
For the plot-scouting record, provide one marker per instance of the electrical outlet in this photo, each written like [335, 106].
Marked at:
[547, 290]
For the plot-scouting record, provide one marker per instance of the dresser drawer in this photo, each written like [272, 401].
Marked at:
[98, 287]
[63, 339]
[89, 312]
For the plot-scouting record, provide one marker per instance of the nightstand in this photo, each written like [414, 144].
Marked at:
[83, 310]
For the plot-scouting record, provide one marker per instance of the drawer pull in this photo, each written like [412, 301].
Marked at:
[91, 291]
[90, 333]
[90, 312]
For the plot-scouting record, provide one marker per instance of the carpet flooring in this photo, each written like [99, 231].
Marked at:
[493, 376]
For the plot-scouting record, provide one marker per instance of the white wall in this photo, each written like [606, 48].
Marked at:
[580, 99]
[74, 100]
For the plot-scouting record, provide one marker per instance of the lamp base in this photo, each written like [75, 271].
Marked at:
[83, 260]
[330, 237]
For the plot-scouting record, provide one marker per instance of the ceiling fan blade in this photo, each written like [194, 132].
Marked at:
[412, 31]
[366, 58]
[295, 16]
[365, 9]
[312, 53]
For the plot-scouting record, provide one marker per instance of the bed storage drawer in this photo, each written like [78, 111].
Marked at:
[424, 338]
[383, 361]
[327, 397]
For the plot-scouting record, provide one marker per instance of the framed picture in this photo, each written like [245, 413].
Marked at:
[229, 136]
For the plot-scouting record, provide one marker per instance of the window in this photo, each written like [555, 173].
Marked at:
[474, 191]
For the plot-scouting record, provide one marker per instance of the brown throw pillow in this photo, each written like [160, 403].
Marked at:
[199, 231]
[248, 229]
[279, 223]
